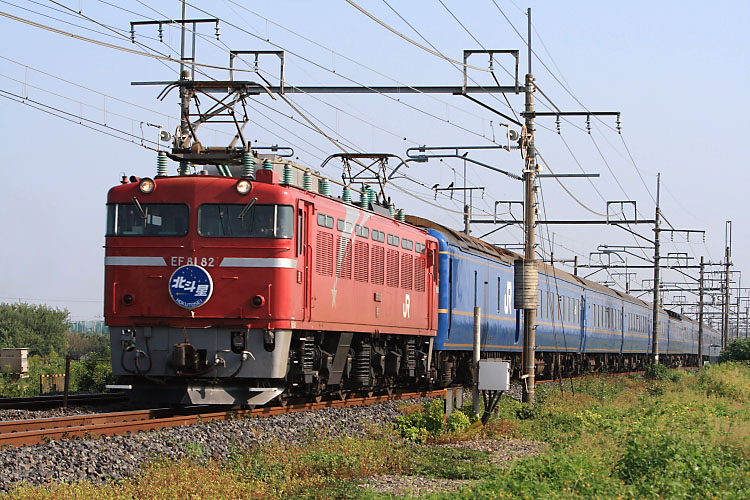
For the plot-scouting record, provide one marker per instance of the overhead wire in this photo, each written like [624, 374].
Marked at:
[72, 118]
[339, 74]
[413, 42]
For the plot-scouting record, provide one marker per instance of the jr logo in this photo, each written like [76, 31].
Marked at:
[407, 306]
[508, 299]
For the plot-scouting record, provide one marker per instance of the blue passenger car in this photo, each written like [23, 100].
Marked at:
[581, 325]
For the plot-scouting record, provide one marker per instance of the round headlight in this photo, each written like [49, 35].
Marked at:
[147, 185]
[244, 186]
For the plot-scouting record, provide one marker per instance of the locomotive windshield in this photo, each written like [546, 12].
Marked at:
[147, 219]
[259, 221]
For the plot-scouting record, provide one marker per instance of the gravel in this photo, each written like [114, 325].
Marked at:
[114, 457]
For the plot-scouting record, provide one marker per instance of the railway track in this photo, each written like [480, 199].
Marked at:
[53, 401]
[35, 431]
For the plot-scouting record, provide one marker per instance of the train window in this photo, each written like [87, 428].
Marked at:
[378, 236]
[362, 231]
[539, 307]
[340, 224]
[325, 221]
[393, 240]
[241, 220]
[499, 294]
[148, 219]
[407, 244]
[349, 228]
[420, 247]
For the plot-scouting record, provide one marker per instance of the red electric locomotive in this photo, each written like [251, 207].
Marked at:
[233, 290]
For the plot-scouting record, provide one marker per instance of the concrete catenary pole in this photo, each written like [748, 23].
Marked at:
[529, 181]
[655, 313]
[475, 364]
[700, 316]
[727, 263]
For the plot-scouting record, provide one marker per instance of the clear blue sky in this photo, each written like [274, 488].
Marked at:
[678, 72]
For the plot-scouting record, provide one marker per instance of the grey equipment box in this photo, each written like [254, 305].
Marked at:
[14, 360]
[494, 375]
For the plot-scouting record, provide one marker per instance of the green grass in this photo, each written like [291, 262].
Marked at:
[663, 436]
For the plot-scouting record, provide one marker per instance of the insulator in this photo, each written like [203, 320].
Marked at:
[161, 33]
[373, 196]
[132, 35]
[185, 167]
[218, 31]
[362, 363]
[347, 195]
[162, 164]
[392, 210]
[588, 124]
[288, 174]
[307, 180]
[325, 188]
[364, 197]
[401, 215]
[248, 165]
[267, 165]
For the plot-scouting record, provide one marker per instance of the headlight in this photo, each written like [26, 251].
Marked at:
[244, 186]
[147, 185]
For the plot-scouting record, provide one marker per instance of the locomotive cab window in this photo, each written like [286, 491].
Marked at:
[147, 219]
[243, 221]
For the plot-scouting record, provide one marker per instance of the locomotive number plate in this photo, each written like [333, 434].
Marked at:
[175, 261]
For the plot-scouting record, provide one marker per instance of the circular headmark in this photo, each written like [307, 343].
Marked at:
[190, 286]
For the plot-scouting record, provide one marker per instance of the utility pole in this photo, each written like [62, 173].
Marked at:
[700, 317]
[529, 264]
[657, 231]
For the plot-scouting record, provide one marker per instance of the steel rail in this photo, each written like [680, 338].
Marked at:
[51, 401]
[35, 431]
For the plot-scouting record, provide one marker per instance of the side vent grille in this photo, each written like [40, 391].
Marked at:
[361, 261]
[407, 273]
[344, 258]
[392, 268]
[378, 265]
[324, 253]
[419, 273]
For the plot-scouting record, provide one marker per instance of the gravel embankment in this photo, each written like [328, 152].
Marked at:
[104, 458]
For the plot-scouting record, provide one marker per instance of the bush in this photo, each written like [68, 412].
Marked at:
[458, 421]
[428, 422]
[662, 373]
[93, 373]
[729, 380]
[738, 350]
